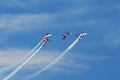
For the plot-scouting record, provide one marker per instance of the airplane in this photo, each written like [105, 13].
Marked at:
[46, 35]
[82, 34]
[65, 35]
[44, 41]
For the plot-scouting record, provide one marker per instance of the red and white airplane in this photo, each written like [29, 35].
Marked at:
[46, 35]
[44, 41]
[65, 35]
[82, 34]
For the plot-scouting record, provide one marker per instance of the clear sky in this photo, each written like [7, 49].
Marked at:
[95, 57]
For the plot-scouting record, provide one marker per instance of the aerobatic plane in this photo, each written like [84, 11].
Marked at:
[46, 35]
[65, 35]
[82, 34]
[44, 41]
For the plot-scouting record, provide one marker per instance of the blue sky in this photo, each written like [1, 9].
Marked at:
[95, 57]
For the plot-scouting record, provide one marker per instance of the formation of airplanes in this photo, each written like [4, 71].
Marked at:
[64, 36]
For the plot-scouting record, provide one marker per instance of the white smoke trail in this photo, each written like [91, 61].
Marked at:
[21, 60]
[56, 60]
[20, 66]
